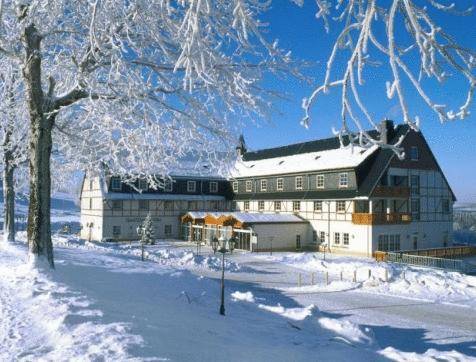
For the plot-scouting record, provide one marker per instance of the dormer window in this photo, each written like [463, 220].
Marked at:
[414, 153]
[168, 186]
[343, 179]
[320, 181]
[116, 184]
[213, 186]
[249, 186]
[191, 186]
[142, 185]
[264, 185]
[298, 182]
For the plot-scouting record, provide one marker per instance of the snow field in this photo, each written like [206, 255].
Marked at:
[36, 317]
[385, 278]
[161, 253]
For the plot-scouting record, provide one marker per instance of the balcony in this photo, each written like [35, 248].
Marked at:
[392, 191]
[381, 219]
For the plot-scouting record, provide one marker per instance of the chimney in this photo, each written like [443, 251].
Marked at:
[386, 130]
[241, 147]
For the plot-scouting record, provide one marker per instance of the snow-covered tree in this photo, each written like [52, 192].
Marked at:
[405, 36]
[13, 135]
[146, 231]
[134, 84]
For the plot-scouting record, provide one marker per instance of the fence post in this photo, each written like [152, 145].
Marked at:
[386, 275]
[299, 280]
[404, 276]
[312, 279]
[327, 278]
[355, 276]
[341, 276]
[370, 273]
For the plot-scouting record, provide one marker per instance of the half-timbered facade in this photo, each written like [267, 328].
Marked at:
[350, 200]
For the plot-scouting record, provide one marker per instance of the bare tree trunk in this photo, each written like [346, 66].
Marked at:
[8, 197]
[39, 227]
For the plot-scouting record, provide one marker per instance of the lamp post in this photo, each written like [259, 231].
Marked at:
[225, 248]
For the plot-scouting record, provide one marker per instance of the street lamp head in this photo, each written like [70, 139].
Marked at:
[214, 244]
[231, 243]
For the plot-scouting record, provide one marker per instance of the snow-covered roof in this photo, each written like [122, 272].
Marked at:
[202, 214]
[339, 158]
[261, 218]
[250, 218]
[157, 196]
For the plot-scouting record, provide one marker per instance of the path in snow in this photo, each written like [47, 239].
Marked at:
[42, 319]
[405, 323]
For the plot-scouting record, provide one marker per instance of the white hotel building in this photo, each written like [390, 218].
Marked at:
[300, 196]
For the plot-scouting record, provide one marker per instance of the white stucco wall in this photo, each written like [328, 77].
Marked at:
[280, 236]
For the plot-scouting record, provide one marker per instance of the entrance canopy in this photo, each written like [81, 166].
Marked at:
[238, 220]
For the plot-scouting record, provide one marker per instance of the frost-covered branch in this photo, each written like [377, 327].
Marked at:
[415, 48]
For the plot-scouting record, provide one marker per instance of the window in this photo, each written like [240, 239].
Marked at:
[320, 181]
[168, 230]
[233, 206]
[116, 231]
[116, 204]
[343, 179]
[213, 186]
[142, 185]
[414, 154]
[249, 186]
[192, 205]
[296, 206]
[415, 184]
[143, 204]
[168, 185]
[446, 206]
[235, 186]
[246, 206]
[213, 205]
[340, 205]
[116, 184]
[298, 182]
[345, 239]
[388, 242]
[90, 204]
[264, 185]
[317, 206]
[336, 238]
[322, 236]
[415, 209]
[279, 184]
[91, 184]
[260, 205]
[314, 236]
[380, 246]
[168, 205]
[191, 186]
[391, 242]
[277, 206]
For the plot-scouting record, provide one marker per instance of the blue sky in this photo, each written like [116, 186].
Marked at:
[298, 30]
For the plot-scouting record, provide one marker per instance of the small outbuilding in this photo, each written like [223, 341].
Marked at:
[253, 231]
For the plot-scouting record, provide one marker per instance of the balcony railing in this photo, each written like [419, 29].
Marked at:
[392, 191]
[381, 218]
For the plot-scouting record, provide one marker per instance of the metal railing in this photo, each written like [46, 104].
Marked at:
[426, 261]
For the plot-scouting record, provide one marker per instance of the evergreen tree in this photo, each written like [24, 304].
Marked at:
[147, 231]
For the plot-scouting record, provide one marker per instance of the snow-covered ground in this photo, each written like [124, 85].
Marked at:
[100, 305]
[384, 278]
[103, 303]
